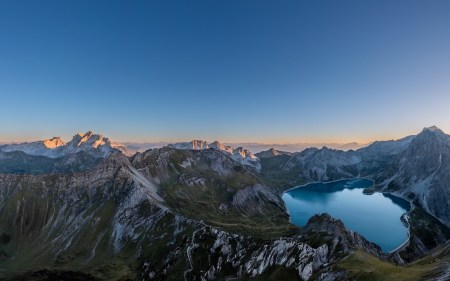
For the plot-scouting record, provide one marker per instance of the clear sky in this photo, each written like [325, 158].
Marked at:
[234, 70]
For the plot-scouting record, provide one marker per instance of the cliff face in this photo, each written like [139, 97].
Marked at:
[77, 220]
[424, 173]
[217, 255]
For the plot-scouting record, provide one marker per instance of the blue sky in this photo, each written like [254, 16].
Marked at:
[267, 71]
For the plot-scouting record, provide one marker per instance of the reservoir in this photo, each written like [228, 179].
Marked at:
[375, 216]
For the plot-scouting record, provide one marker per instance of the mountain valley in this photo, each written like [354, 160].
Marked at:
[206, 211]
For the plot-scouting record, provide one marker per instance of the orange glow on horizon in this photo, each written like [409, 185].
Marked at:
[313, 140]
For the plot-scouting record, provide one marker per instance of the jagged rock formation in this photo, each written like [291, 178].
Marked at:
[218, 255]
[55, 156]
[90, 143]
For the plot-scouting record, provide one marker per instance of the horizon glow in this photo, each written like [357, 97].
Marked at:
[234, 71]
[318, 142]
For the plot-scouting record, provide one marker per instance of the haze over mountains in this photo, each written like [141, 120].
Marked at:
[254, 147]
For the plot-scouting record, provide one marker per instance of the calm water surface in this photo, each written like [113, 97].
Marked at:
[376, 216]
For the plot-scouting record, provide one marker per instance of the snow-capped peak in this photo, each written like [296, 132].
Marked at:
[244, 153]
[219, 146]
[93, 144]
[87, 134]
[53, 142]
[88, 139]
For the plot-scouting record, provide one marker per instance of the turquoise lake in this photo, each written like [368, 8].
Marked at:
[375, 216]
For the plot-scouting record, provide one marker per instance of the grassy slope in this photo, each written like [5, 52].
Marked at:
[275, 273]
[426, 229]
[26, 243]
[363, 266]
[274, 175]
[203, 201]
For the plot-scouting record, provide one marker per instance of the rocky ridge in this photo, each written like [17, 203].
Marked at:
[240, 155]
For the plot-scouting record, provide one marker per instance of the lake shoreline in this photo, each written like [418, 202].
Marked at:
[401, 203]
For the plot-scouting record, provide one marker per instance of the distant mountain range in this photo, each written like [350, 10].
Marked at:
[210, 211]
[253, 147]
[391, 163]
[295, 147]
[131, 148]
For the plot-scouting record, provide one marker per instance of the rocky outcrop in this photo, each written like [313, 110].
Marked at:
[342, 237]
[213, 254]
